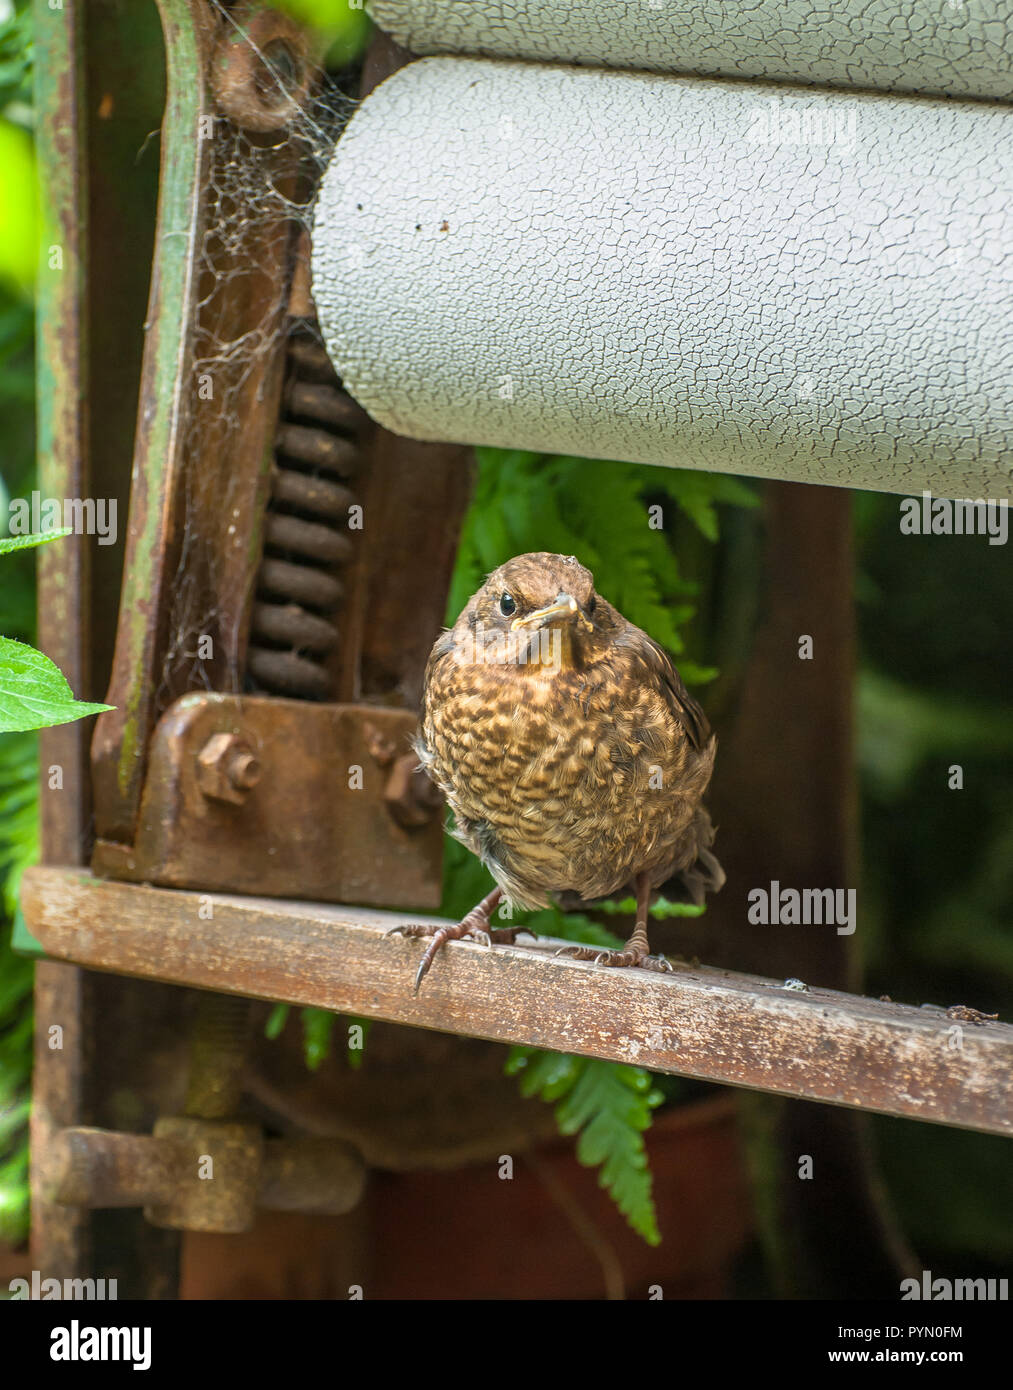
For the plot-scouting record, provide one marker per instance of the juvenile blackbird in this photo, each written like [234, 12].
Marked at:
[570, 752]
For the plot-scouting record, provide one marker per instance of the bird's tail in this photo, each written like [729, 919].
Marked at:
[703, 875]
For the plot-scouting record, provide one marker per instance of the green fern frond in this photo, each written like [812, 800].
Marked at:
[699, 494]
[608, 1106]
[318, 1027]
[19, 814]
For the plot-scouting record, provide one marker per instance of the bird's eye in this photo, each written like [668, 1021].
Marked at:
[507, 606]
[591, 604]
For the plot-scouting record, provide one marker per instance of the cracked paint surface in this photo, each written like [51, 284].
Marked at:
[949, 47]
[748, 278]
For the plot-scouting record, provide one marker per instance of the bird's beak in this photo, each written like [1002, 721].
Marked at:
[565, 607]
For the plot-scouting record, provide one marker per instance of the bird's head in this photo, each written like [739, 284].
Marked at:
[540, 609]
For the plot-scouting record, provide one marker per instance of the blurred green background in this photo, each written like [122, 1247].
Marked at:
[935, 688]
[18, 758]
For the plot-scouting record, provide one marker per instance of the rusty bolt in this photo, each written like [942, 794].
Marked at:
[227, 768]
[412, 799]
[381, 749]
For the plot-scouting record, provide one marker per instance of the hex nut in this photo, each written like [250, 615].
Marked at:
[227, 769]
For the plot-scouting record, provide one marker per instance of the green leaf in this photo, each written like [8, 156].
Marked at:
[693, 674]
[548, 1074]
[660, 908]
[317, 1027]
[33, 691]
[276, 1021]
[9, 543]
[573, 926]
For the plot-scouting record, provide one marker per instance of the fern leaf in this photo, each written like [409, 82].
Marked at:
[698, 494]
[608, 1106]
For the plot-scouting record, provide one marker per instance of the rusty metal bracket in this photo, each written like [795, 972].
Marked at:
[282, 797]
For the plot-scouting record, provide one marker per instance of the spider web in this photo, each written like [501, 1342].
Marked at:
[259, 193]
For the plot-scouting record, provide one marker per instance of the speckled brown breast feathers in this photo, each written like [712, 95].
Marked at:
[571, 754]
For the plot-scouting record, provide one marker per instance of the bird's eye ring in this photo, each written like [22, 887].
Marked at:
[507, 605]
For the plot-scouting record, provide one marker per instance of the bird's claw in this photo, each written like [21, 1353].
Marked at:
[508, 935]
[617, 959]
[475, 924]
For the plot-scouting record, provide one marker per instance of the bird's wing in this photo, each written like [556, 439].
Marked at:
[680, 701]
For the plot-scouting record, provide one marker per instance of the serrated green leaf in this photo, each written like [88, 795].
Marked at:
[608, 1106]
[34, 693]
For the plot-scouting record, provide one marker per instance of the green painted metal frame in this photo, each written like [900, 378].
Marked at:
[62, 383]
[120, 743]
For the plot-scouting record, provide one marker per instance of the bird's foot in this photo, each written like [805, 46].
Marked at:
[632, 955]
[506, 936]
[476, 926]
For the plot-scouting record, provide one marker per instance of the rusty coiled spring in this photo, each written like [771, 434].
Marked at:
[294, 632]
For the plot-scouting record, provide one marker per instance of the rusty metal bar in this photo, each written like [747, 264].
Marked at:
[716, 1025]
[85, 1167]
[94, 1168]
